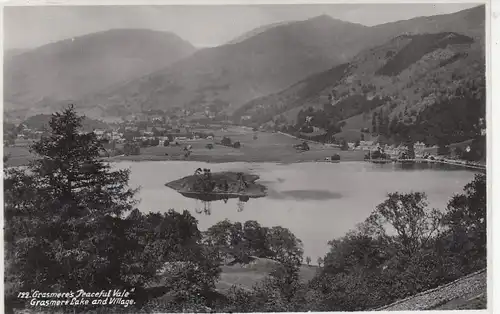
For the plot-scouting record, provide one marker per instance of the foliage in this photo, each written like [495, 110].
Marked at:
[443, 150]
[234, 240]
[71, 224]
[131, 148]
[226, 141]
[344, 145]
[409, 217]
[465, 219]
[419, 46]
[404, 248]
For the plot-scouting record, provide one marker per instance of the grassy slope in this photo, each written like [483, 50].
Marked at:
[246, 276]
[269, 147]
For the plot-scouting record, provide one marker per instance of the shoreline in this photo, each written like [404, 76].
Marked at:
[285, 162]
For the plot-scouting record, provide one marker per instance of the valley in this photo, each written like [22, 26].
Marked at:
[307, 164]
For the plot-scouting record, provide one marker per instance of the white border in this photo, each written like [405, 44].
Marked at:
[493, 97]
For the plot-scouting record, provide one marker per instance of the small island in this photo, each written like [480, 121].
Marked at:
[207, 186]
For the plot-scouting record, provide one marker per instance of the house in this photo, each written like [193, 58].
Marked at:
[366, 145]
[132, 129]
[419, 147]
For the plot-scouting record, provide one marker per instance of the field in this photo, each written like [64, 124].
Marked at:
[268, 147]
[246, 276]
[18, 155]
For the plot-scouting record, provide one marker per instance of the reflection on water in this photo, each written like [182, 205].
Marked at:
[207, 199]
[421, 166]
[305, 195]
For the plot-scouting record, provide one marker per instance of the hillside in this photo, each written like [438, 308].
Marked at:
[235, 73]
[466, 293]
[68, 69]
[41, 122]
[255, 31]
[260, 63]
[10, 53]
[410, 73]
[267, 60]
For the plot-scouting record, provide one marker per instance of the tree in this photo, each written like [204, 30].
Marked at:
[319, 261]
[374, 123]
[344, 145]
[154, 141]
[226, 141]
[381, 120]
[71, 222]
[413, 222]
[255, 238]
[411, 149]
[308, 260]
[131, 148]
[284, 246]
[166, 143]
[458, 152]
[465, 220]
[357, 143]
[443, 149]
[73, 197]
[236, 144]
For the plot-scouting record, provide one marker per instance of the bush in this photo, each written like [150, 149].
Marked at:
[236, 145]
[226, 141]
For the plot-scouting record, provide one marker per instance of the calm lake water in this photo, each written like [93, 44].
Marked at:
[316, 201]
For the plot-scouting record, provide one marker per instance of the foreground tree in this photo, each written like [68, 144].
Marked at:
[69, 221]
[465, 220]
[408, 217]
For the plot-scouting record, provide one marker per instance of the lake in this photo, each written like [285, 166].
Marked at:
[316, 201]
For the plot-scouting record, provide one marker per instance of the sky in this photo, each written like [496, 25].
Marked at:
[203, 26]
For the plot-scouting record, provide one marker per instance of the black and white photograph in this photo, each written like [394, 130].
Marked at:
[235, 158]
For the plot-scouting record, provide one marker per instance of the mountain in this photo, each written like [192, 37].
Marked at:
[233, 74]
[399, 80]
[256, 31]
[259, 63]
[71, 68]
[10, 53]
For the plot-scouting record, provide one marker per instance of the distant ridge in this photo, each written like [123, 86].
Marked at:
[71, 68]
[259, 63]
